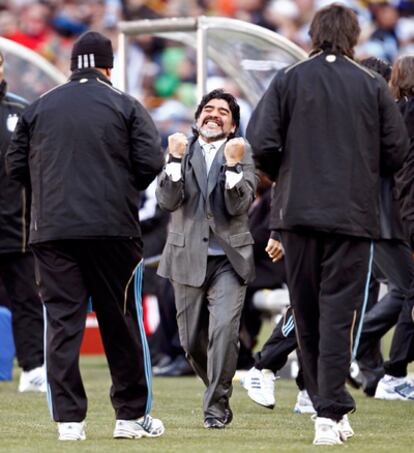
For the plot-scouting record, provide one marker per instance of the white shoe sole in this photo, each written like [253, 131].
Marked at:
[129, 434]
[258, 400]
[326, 441]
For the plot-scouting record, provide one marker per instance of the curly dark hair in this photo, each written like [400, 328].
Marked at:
[231, 101]
[335, 28]
[375, 64]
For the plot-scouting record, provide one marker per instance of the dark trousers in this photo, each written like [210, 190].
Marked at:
[70, 272]
[327, 278]
[392, 260]
[208, 323]
[17, 274]
[279, 345]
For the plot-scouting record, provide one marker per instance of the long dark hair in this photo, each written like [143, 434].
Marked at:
[229, 98]
[335, 28]
[402, 77]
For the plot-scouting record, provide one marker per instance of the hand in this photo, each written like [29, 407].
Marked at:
[275, 250]
[177, 144]
[234, 151]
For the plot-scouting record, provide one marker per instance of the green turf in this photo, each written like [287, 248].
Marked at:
[25, 425]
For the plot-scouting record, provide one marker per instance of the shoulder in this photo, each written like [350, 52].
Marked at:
[302, 63]
[362, 69]
[16, 101]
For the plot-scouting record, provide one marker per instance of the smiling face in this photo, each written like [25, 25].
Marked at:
[215, 121]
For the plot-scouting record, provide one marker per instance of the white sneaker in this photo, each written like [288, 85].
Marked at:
[392, 388]
[326, 431]
[260, 386]
[345, 428]
[33, 380]
[303, 404]
[142, 427]
[72, 431]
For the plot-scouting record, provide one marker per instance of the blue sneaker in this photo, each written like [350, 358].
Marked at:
[393, 388]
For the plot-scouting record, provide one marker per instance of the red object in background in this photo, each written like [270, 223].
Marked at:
[92, 340]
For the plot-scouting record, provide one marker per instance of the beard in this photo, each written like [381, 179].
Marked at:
[207, 134]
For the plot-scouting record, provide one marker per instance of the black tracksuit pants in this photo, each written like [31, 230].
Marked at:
[327, 279]
[393, 260]
[108, 271]
[17, 274]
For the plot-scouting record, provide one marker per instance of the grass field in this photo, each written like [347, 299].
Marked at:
[25, 425]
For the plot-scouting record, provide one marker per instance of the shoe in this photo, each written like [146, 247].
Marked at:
[142, 427]
[214, 423]
[178, 367]
[260, 386]
[303, 404]
[345, 428]
[33, 380]
[228, 415]
[72, 431]
[392, 388]
[326, 431]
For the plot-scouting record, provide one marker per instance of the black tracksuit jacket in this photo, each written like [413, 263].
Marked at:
[405, 179]
[88, 150]
[14, 199]
[326, 129]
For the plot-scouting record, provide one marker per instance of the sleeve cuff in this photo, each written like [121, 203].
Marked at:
[173, 171]
[232, 179]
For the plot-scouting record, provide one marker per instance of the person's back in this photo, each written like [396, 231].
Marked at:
[84, 181]
[334, 140]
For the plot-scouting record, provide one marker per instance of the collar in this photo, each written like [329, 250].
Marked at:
[217, 144]
[78, 74]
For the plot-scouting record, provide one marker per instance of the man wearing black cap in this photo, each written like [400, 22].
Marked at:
[87, 150]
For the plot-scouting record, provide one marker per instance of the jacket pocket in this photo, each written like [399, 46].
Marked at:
[176, 239]
[237, 240]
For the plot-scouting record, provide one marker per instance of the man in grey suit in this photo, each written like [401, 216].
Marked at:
[209, 185]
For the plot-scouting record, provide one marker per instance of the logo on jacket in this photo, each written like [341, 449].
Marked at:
[12, 121]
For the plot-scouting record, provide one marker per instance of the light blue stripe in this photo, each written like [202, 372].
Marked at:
[288, 327]
[364, 305]
[48, 391]
[145, 348]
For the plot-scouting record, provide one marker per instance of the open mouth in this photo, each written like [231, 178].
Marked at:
[212, 122]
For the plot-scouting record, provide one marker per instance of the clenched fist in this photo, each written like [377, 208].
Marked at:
[234, 151]
[177, 144]
[275, 250]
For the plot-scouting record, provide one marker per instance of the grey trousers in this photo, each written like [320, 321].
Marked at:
[208, 320]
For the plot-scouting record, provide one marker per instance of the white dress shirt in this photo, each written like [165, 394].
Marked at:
[173, 169]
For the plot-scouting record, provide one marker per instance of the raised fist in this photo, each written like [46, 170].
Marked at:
[234, 151]
[177, 144]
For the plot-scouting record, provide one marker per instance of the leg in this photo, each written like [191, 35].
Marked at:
[64, 294]
[192, 319]
[225, 302]
[26, 306]
[344, 279]
[280, 344]
[302, 256]
[112, 275]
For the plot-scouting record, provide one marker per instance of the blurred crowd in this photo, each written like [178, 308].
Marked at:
[162, 74]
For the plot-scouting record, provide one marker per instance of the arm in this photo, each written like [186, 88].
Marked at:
[170, 188]
[394, 137]
[264, 130]
[17, 155]
[239, 198]
[147, 158]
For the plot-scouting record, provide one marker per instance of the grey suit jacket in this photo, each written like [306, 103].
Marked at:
[200, 205]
